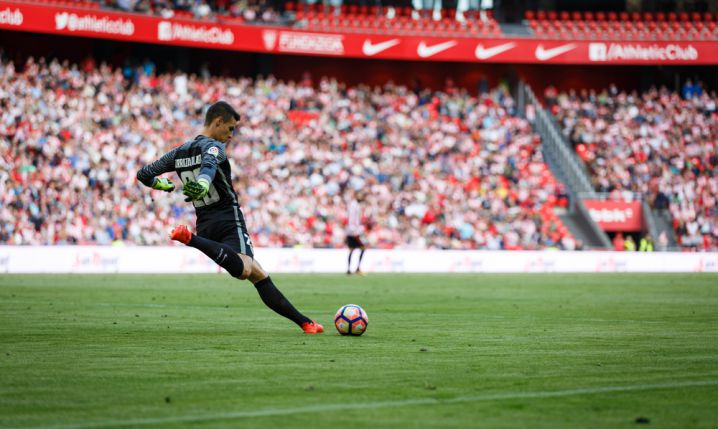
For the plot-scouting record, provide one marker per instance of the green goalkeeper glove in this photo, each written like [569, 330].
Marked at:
[195, 190]
[162, 184]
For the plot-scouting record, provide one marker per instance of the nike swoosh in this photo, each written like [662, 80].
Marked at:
[546, 54]
[427, 51]
[486, 53]
[370, 49]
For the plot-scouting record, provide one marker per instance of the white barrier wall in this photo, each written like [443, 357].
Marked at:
[180, 259]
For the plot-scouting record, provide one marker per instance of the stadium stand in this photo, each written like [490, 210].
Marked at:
[622, 25]
[658, 145]
[345, 18]
[444, 169]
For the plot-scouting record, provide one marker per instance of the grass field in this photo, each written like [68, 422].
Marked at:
[460, 351]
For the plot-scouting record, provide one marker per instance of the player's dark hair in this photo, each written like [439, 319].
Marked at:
[220, 109]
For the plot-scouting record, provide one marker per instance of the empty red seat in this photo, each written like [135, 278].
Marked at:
[588, 16]
[600, 16]
[529, 15]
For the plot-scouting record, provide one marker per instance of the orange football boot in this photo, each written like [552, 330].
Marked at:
[181, 234]
[312, 328]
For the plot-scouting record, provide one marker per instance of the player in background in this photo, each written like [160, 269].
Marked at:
[204, 169]
[354, 230]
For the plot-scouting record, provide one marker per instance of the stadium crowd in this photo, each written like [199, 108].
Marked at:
[441, 169]
[659, 145]
[247, 10]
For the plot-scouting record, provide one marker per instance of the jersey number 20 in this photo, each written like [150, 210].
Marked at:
[212, 195]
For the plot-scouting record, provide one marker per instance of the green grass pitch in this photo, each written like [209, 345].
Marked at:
[459, 351]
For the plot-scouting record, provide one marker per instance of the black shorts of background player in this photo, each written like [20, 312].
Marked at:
[204, 169]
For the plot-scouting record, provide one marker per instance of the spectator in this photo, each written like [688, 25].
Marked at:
[646, 244]
[618, 242]
[629, 245]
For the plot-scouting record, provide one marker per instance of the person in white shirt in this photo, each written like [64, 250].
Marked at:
[354, 230]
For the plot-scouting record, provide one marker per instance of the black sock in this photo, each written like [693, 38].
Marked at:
[361, 255]
[274, 299]
[349, 261]
[222, 254]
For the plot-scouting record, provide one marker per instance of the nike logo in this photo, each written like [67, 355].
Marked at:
[546, 54]
[427, 51]
[486, 53]
[370, 49]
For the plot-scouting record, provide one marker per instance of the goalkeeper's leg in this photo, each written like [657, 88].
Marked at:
[245, 267]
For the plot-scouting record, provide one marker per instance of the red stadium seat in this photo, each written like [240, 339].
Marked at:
[564, 15]
[647, 16]
[612, 16]
[660, 16]
[529, 15]
[600, 16]
[672, 17]
[683, 16]
[695, 17]
[708, 17]
[541, 15]
[552, 15]
[588, 16]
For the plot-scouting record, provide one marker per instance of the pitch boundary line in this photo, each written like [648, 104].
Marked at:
[270, 412]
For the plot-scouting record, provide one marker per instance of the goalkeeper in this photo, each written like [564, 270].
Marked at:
[203, 168]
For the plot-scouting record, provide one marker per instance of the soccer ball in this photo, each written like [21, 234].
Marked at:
[351, 320]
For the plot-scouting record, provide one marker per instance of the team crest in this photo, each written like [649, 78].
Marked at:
[214, 150]
[270, 39]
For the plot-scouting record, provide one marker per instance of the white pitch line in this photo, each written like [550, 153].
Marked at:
[269, 412]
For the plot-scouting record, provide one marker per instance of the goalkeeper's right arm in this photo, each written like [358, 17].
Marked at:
[148, 174]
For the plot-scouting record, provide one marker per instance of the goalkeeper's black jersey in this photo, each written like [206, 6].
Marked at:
[201, 157]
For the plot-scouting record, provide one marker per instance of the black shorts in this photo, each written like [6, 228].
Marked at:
[354, 242]
[226, 227]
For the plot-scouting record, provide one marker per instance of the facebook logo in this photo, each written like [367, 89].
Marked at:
[164, 30]
[597, 52]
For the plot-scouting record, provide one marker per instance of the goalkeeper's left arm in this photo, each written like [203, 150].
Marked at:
[148, 174]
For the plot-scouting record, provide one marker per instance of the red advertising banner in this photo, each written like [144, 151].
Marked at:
[151, 29]
[616, 215]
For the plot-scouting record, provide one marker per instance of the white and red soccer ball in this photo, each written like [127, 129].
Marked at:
[351, 320]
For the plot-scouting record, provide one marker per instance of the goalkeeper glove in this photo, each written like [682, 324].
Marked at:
[162, 184]
[195, 190]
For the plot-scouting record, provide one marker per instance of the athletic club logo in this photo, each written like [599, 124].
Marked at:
[270, 39]
[11, 17]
